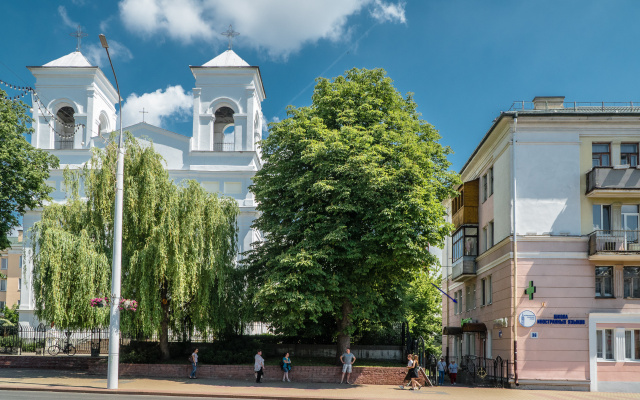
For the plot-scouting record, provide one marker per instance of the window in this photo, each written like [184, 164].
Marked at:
[484, 188]
[632, 282]
[20, 262]
[65, 128]
[485, 242]
[2, 304]
[604, 339]
[465, 243]
[601, 154]
[4, 263]
[471, 297]
[19, 283]
[629, 154]
[604, 283]
[3, 285]
[632, 344]
[486, 291]
[490, 174]
[601, 217]
[490, 234]
[460, 301]
[455, 305]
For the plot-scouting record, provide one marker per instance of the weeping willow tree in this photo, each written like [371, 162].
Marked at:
[179, 249]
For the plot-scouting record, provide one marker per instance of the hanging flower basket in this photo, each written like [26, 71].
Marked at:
[100, 302]
[128, 305]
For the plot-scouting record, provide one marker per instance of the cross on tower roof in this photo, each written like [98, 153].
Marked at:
[79, 35]
[143, 112]
[230, 33]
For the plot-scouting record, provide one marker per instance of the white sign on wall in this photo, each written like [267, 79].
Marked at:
[527, 318]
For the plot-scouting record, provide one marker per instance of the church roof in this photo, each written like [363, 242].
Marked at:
[75, 59]
[227, 59]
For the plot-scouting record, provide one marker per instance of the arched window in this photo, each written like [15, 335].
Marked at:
[223, 130]
[103, 125]
[65, 128]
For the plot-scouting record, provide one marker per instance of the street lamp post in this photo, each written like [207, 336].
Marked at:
[116, 265]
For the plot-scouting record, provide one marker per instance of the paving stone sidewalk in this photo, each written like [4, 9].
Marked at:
[78, 382]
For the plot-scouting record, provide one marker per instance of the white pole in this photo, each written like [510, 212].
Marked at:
[116, 266]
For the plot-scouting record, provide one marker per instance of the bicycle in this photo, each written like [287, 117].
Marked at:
[68, 349]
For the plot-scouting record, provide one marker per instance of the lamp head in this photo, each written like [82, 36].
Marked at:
[103, 41]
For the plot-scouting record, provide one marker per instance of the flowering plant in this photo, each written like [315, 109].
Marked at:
[127, 304]
[100, 302]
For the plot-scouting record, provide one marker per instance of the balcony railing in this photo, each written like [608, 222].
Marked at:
[223, 146]
[614, 242]
[463, 269]
[609, 178]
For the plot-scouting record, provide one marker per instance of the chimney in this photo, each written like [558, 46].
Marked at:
[548, 102]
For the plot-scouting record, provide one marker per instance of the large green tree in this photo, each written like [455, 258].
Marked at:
[350, 197]
[178, 253]
[23, 168]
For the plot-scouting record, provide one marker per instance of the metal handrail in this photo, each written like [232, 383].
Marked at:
[579, 106]
[614, 241]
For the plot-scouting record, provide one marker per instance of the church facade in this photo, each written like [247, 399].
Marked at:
[74, 110]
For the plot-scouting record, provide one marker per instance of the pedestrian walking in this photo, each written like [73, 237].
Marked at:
[453, 371]
[194, 363]
[286, 367]
[258, 367]
[407, 377]
[347, 361]
[442, 366]
[414, 373]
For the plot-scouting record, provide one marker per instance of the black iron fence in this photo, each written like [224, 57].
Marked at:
[480, 371]
[41, 341]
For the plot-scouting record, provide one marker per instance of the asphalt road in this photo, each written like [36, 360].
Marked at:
[36, 395]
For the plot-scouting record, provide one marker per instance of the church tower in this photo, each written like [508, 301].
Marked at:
[74, 104]
[227, 113]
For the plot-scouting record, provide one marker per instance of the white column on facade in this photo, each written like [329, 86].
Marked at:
[489, 343]
[92, 122]
[619, 344]
[240, 121]
[196, 119]
[251, 116]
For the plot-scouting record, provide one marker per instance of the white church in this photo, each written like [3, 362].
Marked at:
[223, 154]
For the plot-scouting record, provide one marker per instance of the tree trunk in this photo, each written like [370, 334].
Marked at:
[164, 328]
[344, 338]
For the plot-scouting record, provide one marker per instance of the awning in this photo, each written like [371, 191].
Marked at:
[452, 330]
[474, 327]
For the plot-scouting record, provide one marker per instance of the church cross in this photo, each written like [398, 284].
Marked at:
[79, 35]
[143, 112]
[530, 290]
[230, 34]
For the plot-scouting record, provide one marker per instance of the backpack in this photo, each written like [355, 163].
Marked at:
[190, 358]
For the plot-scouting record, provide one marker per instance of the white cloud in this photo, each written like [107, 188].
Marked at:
[173, 102]
[388, 12]
[65, 18]
[98, 56]
[278, 26]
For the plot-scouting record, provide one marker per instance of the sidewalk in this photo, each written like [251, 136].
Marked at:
[78, 382]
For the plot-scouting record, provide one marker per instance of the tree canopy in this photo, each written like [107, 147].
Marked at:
[23, 168]
[178, 253]
[351, 197]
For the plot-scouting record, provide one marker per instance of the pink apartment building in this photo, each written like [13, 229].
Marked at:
[565, 289]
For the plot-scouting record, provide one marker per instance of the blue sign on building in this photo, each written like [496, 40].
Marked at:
[561, 319]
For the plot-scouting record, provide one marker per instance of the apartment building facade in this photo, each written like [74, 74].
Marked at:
[564, 290]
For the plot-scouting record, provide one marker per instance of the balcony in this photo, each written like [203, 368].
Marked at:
[465, 206]
[463, 269]
[613, 181]
[613, 244]
[223, 146]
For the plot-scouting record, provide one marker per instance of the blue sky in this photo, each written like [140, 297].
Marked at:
[464, 60]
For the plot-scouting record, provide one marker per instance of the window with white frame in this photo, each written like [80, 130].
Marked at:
[604, 281]
[631, 282]
[471, 297]
[632, 344]
[490, 177]
[604, 344]
[4, 263]
[460, 301]
[490, 234]
[602, 217]
[19, 284]
[3, 285]
[486, 290]
[484, 188]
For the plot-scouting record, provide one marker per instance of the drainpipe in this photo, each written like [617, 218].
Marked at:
[514, 329]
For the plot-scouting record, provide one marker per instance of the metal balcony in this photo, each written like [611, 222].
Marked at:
[463, 269]
[610, 181]
[608, 242]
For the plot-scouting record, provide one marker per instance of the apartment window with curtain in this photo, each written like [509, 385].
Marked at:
[631, 282]
[4, 263]
[604, 282]
[632, 345]
[602, 217]
[601, 154]
[629, 154]
[486, 290]
[604, 344]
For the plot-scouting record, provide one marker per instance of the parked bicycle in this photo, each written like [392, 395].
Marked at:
[67, 348]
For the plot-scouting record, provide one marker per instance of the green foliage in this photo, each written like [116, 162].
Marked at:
[5, 322]
[178, 249]
[350, 197]
[424, 310]
[12, 314]
[23, 168]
